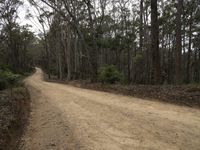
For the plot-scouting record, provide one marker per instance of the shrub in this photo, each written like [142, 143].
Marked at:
[3, 84]
[138, 58]
[109, 74]
[8, 79]
[12, 78]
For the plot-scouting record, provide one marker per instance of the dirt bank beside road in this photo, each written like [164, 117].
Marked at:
[14, 113]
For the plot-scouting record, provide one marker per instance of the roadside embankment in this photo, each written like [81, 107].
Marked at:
[14, 113]
[186, 95]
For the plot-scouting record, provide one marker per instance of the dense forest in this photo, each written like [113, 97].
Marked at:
[133, 41]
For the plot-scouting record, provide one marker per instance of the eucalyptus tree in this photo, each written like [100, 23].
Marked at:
[139, 37]
[43, 17]
[8, 13]
[155, 42]
[178, 51]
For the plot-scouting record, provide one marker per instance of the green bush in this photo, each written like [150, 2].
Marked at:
[109, 74]
[3, 84]
[138, 58]
[8, 79]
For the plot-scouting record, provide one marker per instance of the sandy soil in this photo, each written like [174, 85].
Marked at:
[64, 117]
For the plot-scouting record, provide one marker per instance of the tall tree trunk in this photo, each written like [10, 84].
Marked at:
[129, 67]
[188, 76]
[93, 49]
[60, 66]
[141, 25]
[184, 47]
[198, 65]
[169, 59]
[155, 42]
[195, 68]
[178, 50]
[47, 51]
[68, 54]
[76, 56]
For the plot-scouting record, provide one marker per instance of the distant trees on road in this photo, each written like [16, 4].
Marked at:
[148, 42]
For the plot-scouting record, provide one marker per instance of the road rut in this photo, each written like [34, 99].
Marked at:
[64, 117]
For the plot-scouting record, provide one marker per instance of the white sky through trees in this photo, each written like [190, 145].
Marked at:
[27, 8]
[24, 11]
[35, 26]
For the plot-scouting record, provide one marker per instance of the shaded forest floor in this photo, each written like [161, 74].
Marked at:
[14, 113]
[186, 95]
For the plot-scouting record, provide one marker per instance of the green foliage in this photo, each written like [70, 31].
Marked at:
[138, 58]
[8, 79]
[109, 74]
[3, 84]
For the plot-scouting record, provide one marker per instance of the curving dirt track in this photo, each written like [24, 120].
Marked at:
[68, 118]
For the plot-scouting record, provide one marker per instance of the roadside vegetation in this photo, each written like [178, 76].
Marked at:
[148, 42]
[15, 64]
[8, 79]
[14, 113]
[109, 74]
[14, 107]
[184, 95]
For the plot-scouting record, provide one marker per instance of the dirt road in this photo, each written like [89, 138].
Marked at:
[68, 118]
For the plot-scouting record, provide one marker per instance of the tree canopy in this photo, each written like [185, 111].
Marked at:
[148, 41]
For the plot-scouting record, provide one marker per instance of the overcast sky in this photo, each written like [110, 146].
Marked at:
[25, 9]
